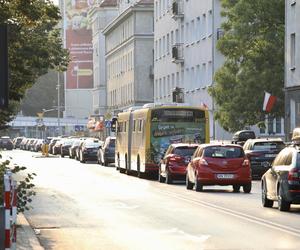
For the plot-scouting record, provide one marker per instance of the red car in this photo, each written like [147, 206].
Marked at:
[219, 164]
[174, 163]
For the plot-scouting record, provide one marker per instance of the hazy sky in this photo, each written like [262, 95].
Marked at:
[55, 2]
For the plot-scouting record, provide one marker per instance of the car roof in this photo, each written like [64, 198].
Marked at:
[220, 145]
[176, 145]
[265, 140]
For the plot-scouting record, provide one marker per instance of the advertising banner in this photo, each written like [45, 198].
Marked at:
[78, 36]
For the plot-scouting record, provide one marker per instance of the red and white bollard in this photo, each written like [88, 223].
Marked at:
[10, 214]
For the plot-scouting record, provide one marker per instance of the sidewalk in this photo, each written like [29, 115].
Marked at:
[26, 238]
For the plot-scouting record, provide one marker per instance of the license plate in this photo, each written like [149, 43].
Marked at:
[225, 176]
[270, 155]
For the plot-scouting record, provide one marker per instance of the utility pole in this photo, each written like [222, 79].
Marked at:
[58, 103]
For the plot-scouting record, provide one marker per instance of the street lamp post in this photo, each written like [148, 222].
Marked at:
[58, 103]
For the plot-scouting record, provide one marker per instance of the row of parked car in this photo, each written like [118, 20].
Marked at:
[82, 149]
[276, 164]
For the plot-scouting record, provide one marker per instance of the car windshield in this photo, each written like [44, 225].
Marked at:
[223, 152]
[184, 151]
[268, 146]
[92, 144]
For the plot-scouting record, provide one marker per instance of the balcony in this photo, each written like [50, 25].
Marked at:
[177, 9]
[177, 53]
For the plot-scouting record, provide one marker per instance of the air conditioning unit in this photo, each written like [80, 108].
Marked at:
[177, 53]
[177, 9]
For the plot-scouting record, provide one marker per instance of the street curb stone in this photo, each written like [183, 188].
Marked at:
[26, 238]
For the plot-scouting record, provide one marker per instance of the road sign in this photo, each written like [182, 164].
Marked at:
[84, 72]
[107, 124]
[79, 128]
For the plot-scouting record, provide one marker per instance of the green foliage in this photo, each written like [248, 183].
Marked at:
[42, 95]
[25, 186]
[253, 47]
[35, 46]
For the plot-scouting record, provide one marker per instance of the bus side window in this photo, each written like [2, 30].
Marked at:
[125, 127]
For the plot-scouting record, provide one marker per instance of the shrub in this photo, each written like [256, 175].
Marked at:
[24, 188]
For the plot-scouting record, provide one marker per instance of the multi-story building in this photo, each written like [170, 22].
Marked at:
[292, 66]
[100, 15]
[129, 55]
[185, 37]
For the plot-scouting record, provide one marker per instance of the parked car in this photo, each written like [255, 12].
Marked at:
[219, 164]
[106, 154]
[261, 153]
[74, 146]
[52, 143]
[89, 149]
[17, 141]
[240, 137]
[6, 142]
[38, 145]
[29, 144]
[281, 182]
[66, 144]
[56, 147]
[23, 143]
[173, 165]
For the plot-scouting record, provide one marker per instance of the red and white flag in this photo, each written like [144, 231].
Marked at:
[269, 102]
[203, 105]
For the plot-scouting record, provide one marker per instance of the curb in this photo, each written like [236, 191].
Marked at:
[26, 238]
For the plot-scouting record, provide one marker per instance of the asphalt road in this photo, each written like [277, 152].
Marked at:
[88, 206]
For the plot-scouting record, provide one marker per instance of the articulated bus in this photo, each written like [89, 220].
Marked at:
[143, 135]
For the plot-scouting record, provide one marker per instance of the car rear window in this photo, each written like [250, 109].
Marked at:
[112, 143]
[268, 146]
[92, 144]
[184, 151]
[223, 152]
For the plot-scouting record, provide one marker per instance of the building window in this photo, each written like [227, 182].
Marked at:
[168, 43]
[172, 38]
[192, 31]
[293, 50]
[278, 125]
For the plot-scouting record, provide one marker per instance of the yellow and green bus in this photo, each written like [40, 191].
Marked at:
[144, 134]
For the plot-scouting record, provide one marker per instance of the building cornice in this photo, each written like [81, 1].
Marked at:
[129, 11]
[128, 41]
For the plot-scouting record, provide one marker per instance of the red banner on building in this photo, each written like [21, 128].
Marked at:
[79, 42]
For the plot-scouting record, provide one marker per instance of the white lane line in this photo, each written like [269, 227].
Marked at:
[250, 218]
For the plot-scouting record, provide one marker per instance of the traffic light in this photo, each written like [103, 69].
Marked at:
[113, 124]
[3, 67]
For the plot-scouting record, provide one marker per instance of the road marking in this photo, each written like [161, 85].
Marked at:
[250, 218]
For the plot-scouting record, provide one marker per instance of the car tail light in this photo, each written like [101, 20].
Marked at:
[254, 154]
[294, 176]
[203, 162]
[246, 163]
[176, 158]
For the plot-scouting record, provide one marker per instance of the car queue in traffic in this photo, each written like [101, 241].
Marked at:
[234, 163]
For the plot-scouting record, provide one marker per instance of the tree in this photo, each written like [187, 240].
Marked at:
[253, 47]
[42, 95]
[35, 46]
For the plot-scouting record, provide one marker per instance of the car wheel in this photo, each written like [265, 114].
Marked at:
[82, 160]
[265, 201]
[247, 188]
[198, 186]
[283, 205]
[236, 188]
[169, 179]
[161, 179]
[189, 185]
[62, 155]
[122, 170]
